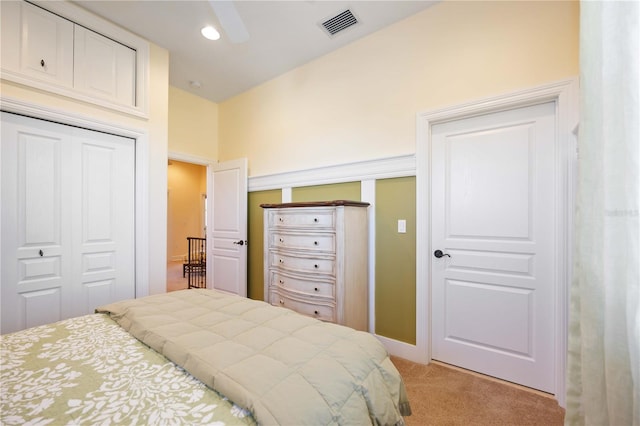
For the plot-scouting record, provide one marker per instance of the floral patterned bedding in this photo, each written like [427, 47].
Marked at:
[88, 370]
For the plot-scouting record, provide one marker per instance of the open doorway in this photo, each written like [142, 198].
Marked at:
[186, 217]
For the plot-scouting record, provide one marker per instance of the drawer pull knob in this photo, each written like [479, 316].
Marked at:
[316, 288]
[280, 219]
[281, 282]
[281, 261]
[282, 302]
[315, 312]
[281, 240]
[315, 243]
[315, 266]
[42, 62]
[315, 219]
[41, 253]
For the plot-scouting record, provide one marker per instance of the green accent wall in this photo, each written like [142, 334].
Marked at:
[255, 236]
[395, 304]
[338, 191]
[395, 287]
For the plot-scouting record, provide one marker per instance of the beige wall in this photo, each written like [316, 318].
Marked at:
[156, 128]
[360, 102]
[186, 185]
[193, 125]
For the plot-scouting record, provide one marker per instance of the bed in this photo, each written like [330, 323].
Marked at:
[197, 357]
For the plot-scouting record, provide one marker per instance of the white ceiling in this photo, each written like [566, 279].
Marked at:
[282, 35]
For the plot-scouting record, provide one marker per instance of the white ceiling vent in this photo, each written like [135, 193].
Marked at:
[339, 22]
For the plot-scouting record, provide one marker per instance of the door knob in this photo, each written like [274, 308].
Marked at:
[439, 254]
[240, 243]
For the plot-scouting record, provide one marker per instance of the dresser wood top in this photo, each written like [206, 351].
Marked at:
[316, 204]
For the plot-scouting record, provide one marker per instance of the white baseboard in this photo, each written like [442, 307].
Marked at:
[403, 350]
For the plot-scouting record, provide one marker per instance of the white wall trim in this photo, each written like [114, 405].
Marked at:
[383, 168]
[141, 137]
[287, 194]
[400, 349]
[565, 94]
[368, 194]
[190, 158]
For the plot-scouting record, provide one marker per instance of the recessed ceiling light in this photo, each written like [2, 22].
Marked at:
[210, 33]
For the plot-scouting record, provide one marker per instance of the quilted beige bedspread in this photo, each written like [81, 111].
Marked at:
[283, 367]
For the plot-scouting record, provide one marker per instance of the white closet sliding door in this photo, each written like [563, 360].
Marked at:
[67, 221]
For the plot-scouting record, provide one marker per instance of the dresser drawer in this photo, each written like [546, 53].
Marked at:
[318, 242]
[300, 285]
[302, 218]
[321, 312]
[302, 264]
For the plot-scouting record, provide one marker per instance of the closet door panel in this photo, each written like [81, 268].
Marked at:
[105, 240]
[67, 221]
[34, 200]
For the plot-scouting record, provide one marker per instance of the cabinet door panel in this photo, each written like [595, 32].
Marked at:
[44, 47]
[103, 67]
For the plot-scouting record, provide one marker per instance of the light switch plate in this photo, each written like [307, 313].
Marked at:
[402, 226]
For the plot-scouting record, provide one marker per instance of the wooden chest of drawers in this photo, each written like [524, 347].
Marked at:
[315, 260]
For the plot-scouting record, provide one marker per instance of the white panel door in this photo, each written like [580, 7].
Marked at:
[67, 221]
[493, 285]
[35, 235]
[103, 219]
[228, 230]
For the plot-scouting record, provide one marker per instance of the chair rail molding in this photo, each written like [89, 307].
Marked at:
[382, 168]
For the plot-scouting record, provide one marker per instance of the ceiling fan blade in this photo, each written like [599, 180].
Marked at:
[230, 20]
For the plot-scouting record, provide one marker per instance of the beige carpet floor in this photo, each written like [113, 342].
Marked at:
[440, 395]
[444, 396]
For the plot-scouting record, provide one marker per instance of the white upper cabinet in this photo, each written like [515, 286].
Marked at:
[103, 67]
[66, 50]
[37, 43]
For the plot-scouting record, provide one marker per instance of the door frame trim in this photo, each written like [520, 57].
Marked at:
[565, 94]
[141, 138]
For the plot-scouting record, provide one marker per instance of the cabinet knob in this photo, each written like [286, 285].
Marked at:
[282, 302]
[281, 240]
[315, 219]
[315, 266]
[316, 312]
[281, 261]
[41, 253]
[280, 219]
[281, 282]
[42, 62]
[316, 288]
[315, 243]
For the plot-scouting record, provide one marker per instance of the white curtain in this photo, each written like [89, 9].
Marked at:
[603, 386]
